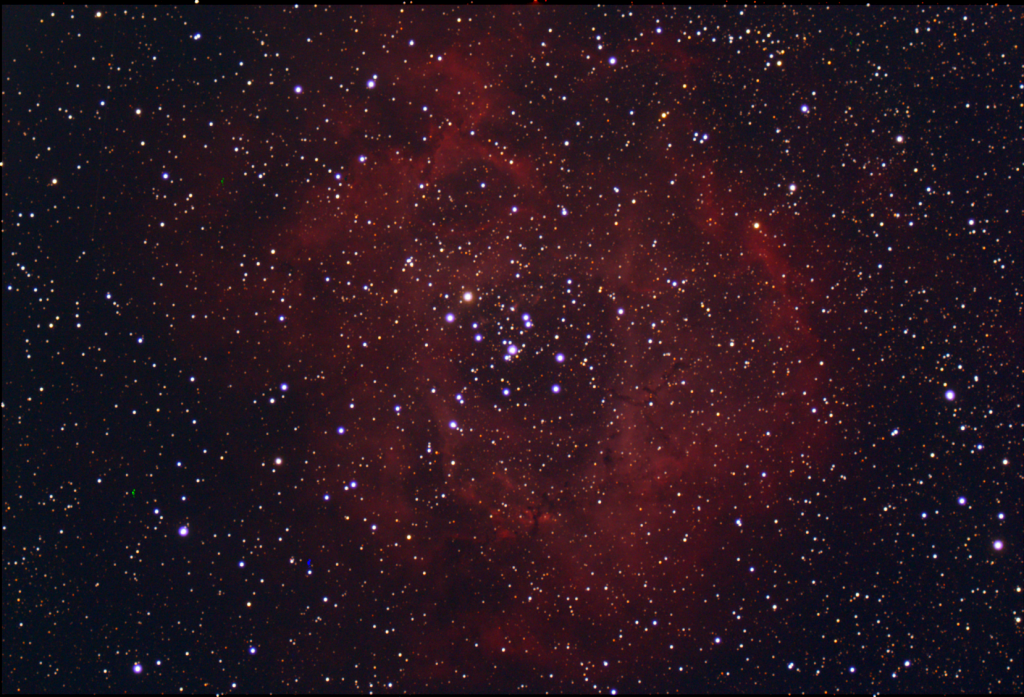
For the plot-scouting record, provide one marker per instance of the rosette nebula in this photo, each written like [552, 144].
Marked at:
[529, 349]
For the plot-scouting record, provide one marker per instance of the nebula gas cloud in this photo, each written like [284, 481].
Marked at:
[570, 362]
[494, 350]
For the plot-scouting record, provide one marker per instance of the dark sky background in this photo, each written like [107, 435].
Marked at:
[512, 349]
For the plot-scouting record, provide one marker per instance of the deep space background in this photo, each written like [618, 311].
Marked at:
[610, 350]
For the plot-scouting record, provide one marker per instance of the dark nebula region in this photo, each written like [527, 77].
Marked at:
[520, 349]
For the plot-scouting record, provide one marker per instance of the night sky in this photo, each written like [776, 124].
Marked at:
[512, 349]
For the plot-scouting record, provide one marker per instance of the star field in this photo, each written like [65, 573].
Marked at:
[475, 350]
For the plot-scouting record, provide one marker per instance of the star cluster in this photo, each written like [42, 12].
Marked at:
[597, 350]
